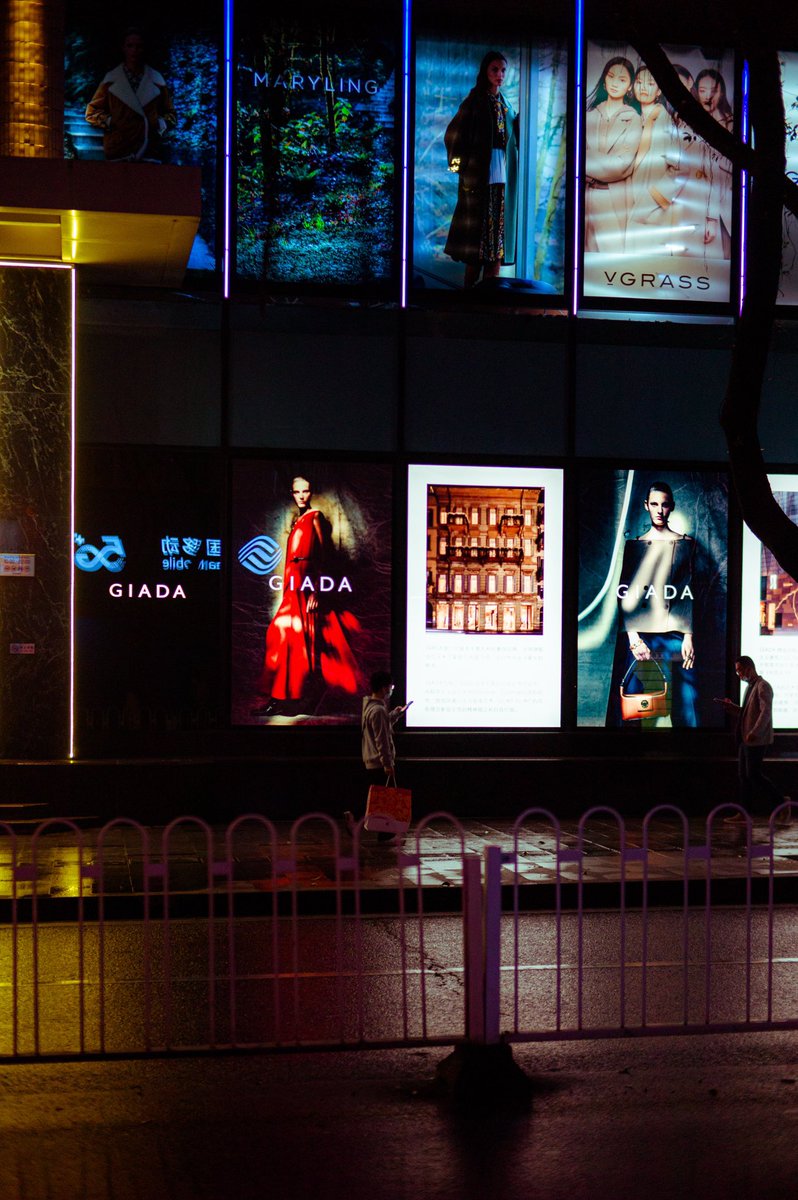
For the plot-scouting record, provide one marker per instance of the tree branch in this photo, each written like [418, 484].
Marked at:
[740, 409]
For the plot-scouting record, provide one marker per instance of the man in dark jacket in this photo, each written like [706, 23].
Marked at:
[754, 734]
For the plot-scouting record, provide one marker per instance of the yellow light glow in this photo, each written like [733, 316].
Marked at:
[32, 128]
[73, 249]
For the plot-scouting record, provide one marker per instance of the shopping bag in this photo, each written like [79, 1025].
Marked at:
[388, 809]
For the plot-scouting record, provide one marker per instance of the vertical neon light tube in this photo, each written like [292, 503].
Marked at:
[579, 39]
[227, 116]
[72, 492]
[405, 146]
[744, 191]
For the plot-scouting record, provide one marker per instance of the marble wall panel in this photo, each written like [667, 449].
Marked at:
[35, 406]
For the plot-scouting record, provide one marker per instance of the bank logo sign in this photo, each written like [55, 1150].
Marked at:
[260, 555]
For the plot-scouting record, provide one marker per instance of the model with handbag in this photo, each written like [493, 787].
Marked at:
[655, 601]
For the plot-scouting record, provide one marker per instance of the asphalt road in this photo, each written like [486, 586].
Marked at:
[316, 981]
[665, 1119]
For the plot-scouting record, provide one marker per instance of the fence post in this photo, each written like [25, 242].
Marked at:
[492, 942]
[473, 949]
[481, 1071]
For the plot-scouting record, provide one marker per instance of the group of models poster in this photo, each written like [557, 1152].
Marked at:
[658, 198]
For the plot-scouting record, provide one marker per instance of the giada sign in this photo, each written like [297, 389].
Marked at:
[146, 591]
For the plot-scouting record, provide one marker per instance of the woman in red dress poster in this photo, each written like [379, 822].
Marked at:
[307, 643]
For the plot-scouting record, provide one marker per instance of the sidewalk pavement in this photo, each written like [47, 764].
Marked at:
[304, 857]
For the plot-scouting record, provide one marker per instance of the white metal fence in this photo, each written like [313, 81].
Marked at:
[706, 942]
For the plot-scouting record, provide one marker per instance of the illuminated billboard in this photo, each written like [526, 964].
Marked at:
[658, 201]
[148, 568]
[788, 289]
[316, 127]
[769, 621]
[483, 638]
[311, 589]
[490, 131]
[145, 89]
[652, 598]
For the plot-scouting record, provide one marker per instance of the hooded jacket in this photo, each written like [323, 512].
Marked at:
[377, 744]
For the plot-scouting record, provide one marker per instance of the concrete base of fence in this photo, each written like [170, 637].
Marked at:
[487, 1076]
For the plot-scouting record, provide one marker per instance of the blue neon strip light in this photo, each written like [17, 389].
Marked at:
[744, 191]
[580, 18]
[405, 147]
[227, 117]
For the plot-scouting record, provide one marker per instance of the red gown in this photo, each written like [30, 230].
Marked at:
[300, 642]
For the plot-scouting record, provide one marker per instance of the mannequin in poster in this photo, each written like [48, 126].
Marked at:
[132, 106]
[308, 641]
[656, 592]
[482, 150]
[613, 131]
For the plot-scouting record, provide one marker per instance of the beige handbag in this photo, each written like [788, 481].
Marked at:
[636, 705]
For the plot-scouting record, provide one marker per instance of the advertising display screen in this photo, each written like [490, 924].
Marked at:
[316, 132]
[788, 291]
[658, 200]
[489, 168]
[148, 568]
[483, 641]
[145, 89]
[311, 589]
[769, 622]
[652, 598]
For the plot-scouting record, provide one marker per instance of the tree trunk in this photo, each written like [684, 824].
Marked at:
[770, 192]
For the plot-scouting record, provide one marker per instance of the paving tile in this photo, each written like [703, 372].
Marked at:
[315, 846]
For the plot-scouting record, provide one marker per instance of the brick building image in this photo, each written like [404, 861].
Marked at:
[485, 559]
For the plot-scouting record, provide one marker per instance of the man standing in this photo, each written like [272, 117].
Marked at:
[754, 735]
[377, 745]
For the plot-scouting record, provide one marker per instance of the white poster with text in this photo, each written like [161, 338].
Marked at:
[484, 596]
[769, 620]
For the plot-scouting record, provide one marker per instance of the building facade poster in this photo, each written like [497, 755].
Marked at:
[311, 589]
[769, 624]
[658, 201]
[148, 590]
[146, 89]
[489, 189]
[483, 640]
[652, 598]
[316, 144]
[788, 290]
